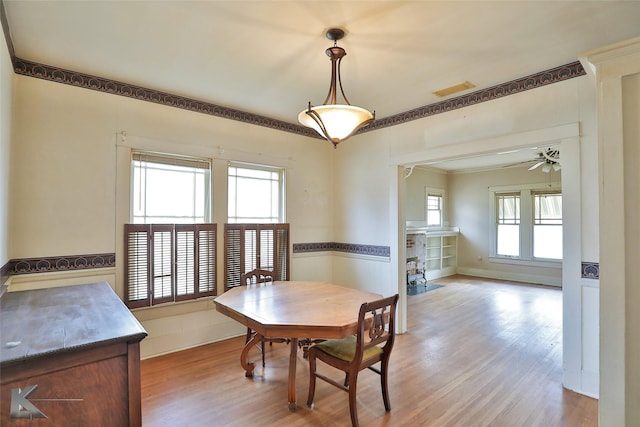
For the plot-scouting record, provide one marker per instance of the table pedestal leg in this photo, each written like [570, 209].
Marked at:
[293, 359]
[249, 366]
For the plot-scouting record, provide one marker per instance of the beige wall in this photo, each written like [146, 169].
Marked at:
[467, 208]
[68, 195]
[416, 183]
[70, 189]
[58, 181]
[470, 212]
[370, 205]
[523, 120]
[6, 88]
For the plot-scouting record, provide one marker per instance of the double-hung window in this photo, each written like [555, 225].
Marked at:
[256, 235]
[526, 223]
[547, 224]
[508, 224]
[170, 247]
[435, 207]
[256, 193]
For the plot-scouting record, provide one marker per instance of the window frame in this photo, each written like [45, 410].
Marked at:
[526, 192]
[543, 222]
[281, 203]
[189, 249]
[499, 199]
[435, 192]
[198, 163]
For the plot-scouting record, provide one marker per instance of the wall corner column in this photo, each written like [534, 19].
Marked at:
[619, 334]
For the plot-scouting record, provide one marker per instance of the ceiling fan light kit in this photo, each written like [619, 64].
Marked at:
[335, 122]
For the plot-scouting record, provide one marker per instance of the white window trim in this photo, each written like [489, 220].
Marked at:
[151, 155]
[282, 212]
[437, 192]
[526, 233]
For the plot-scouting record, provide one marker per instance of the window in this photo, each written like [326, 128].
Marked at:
[170, 189]
[170, 249]
[527, 223]
[250, 246]
[547, 225]
[255, 194]
[508, 224]
[435, 208]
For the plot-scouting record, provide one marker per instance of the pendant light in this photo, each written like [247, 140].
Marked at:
[335, 122]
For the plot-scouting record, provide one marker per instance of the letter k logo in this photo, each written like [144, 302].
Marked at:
[21, 407]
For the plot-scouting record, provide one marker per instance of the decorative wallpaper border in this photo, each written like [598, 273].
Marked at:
[352, 248]
[533, 81]
[88, 81]
[590, 270]
[61, 263]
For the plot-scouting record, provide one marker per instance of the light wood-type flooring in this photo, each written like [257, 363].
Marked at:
[477, 352]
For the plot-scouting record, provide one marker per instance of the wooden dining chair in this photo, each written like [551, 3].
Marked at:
[371, 344]
[257, 275]
[254, 277]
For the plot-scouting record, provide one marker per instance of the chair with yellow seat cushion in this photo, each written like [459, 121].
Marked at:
[372, 344]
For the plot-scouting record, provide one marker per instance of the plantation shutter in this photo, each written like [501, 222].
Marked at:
[136, 272]
[281, 252]
[251, 246]
[267, 253]
[162, 263]
[206, 249]
[167, 262]
[195, 260]
[233, 256]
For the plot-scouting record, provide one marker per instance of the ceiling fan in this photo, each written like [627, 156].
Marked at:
[548, 159]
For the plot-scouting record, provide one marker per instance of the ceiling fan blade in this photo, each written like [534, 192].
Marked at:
[516, 164]
[535, 166]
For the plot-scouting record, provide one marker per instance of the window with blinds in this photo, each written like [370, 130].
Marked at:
[169, 262]
[251, 246]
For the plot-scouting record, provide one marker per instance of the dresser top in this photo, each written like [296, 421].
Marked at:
[41, 322]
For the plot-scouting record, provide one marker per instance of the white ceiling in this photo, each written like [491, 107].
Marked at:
[267, 57]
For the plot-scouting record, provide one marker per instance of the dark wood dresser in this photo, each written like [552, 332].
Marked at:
[69, 356]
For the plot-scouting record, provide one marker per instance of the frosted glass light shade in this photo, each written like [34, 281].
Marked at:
[335, 122]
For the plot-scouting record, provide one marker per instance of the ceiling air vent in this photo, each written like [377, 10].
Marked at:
[454, 89]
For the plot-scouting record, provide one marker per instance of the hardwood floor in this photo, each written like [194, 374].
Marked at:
[477, 353]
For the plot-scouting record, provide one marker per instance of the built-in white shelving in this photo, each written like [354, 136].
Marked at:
[436, 251]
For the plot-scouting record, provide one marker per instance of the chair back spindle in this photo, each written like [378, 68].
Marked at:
[257, 276]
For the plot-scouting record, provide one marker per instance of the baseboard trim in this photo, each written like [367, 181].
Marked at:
[515, 277]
